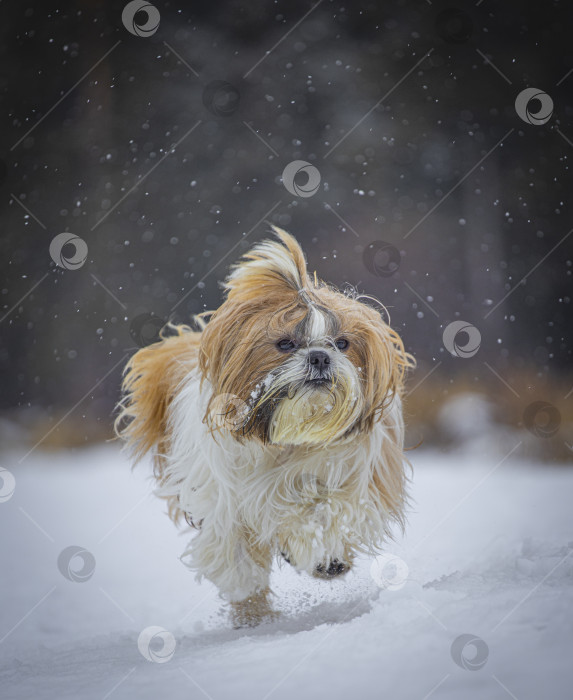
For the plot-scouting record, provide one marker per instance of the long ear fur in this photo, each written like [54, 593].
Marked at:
[384, 351]
[389, 470]
[150, 381]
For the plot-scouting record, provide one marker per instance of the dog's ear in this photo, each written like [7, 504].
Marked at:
[388, 470]
[379, 351]
[388, 359]
[384, 355]
[268, 267]
[150, 380]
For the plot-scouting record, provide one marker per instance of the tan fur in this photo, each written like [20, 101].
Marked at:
[150, 381]
[233, 361]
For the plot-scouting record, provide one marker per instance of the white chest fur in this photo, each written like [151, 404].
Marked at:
[313, 503]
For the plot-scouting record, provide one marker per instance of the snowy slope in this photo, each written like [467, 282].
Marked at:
[487, 552]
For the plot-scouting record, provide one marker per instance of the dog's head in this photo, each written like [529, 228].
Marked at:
[290, 359]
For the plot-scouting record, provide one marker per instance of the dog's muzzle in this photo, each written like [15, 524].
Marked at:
[319, 367]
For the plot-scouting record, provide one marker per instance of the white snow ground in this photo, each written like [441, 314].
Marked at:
[487, 549]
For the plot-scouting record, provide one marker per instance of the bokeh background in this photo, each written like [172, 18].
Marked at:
[161, 154]
[164, 154]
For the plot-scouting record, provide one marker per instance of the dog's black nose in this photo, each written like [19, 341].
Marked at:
[334, 568]
[319, 360]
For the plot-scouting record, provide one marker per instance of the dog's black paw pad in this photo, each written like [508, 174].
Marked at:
[334, 568]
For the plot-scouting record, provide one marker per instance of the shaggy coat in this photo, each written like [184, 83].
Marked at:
[277, 429]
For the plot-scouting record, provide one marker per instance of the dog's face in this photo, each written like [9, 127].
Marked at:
[299, 362]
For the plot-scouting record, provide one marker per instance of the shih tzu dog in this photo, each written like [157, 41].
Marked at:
[275, 430]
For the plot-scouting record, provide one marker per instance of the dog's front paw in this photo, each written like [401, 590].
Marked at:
[333, 569]
[253, 611]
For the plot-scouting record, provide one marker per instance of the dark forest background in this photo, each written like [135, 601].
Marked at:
[297, 81]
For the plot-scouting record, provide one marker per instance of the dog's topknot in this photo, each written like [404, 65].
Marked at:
[268, 264]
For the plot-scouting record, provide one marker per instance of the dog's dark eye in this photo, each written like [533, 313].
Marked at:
[342, 343]
[286, 345]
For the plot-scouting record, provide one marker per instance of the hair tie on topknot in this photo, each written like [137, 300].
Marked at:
[305, 296]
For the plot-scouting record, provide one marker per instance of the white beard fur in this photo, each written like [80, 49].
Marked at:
[315, 503]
